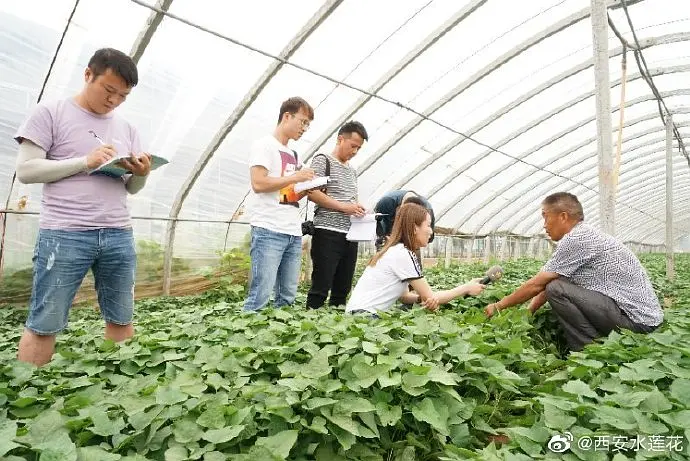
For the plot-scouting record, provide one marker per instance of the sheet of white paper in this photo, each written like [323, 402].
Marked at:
[362, 229]
[315, 183]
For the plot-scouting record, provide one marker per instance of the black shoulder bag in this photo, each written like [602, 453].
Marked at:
[308, 225]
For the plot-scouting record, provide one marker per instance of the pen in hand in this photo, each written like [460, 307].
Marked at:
[96, 136]
[100, 155]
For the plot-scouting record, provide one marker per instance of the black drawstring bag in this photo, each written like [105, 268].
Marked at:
[308, 225]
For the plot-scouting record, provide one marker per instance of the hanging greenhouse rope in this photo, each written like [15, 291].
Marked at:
[621, 119]
[3, 215]
[644, 71]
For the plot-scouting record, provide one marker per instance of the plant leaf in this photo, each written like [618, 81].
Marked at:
[432, 411]
[8, 431]
[213, 417]
[556, 418]
[578, 387]
[680, 390]
[186, 431]
[95, 453]
[279, 444]
[222, 435]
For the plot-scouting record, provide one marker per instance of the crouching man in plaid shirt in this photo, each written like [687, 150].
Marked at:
[593, 282]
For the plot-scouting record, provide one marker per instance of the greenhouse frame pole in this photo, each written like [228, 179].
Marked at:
[146, 34]
[569, 172]
[670, 266]
[394, 71]
[453, 174]
[401, 65]
[525, 154]
[602, 87]
[319, 17]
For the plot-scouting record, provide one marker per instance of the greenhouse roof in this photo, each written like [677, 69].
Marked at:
[483, 106]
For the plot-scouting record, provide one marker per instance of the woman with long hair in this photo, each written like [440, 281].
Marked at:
[392, 270]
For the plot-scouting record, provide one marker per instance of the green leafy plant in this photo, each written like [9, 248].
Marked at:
[203, 380]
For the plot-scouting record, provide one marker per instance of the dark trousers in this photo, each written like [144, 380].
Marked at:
[586, 314]
[333, 267]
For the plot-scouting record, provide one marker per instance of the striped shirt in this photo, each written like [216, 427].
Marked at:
[343, 188]
[598, 262]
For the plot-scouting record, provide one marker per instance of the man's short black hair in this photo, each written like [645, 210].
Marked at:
[115, 60]
[565, 202]
[353, 127]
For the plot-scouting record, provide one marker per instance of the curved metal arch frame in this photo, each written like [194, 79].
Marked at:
[685, 220]
[410, 57]
[523, 130]
[540, 190]
[637, 163]
[146, 34]
[656, 198]
[429, 41]
[639, 185]
[637, 189]
[564, 170]
[646, 185]
[623, 189]
[646, 43]
[537, 38]
[575, 162]
[536, 122]
[143, 42]
[682, 218]
[239, 111]
[653, 165]
[625, 193]
[155, 20]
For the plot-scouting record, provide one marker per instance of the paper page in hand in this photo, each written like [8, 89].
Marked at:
[316, 183]
[113, 169]
[362, 228]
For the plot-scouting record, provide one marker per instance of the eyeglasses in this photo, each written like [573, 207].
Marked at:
[305, 122]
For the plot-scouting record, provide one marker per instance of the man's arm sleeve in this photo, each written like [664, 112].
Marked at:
[33, 166]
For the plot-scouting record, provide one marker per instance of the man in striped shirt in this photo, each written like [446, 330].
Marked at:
[333, 256]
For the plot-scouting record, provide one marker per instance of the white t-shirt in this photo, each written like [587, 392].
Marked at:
[381, 285]
[276, 211]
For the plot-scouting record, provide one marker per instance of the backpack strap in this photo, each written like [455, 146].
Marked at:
[306, 207]
[327, 171]
[328, 164]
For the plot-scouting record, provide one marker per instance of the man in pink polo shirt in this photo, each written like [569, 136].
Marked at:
[84, 222]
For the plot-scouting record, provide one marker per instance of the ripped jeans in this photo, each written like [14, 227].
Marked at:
[62, 259]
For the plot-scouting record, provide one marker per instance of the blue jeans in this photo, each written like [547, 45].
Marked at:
[276, 263]
[62, 259]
